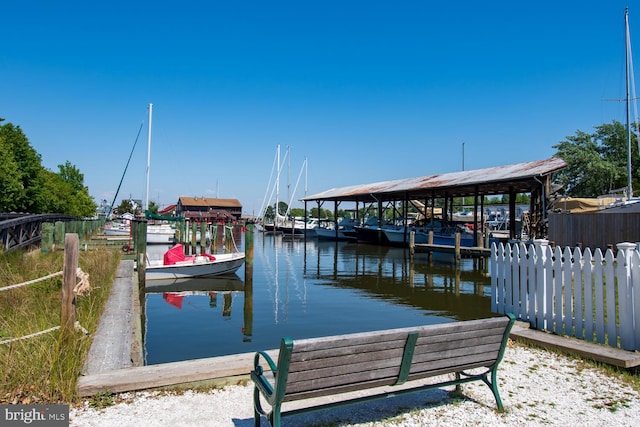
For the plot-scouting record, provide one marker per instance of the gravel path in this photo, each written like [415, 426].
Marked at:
[537, 388]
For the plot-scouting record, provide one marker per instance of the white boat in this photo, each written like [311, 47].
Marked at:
[160, 233]
[117, 229]
[175, 264]
[298, 227]
[345, 231]
[445, 236]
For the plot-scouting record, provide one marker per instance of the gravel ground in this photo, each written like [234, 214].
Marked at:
[537, 388]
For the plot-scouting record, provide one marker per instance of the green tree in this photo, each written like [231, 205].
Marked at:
[11, 188]
[79, 202]
[26, 186]
[29, 163]
[597, 162]
[153, 207]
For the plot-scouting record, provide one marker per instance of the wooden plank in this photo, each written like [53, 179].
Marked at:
[349, 359]
[328, 349]
[366, 367]
[597, 352]
[487, 351]
[166, 374]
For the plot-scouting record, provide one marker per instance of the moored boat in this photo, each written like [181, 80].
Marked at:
[345, 231]
[176, 265]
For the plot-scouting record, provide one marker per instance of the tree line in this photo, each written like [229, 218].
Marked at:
[27, 186]
[596, 165]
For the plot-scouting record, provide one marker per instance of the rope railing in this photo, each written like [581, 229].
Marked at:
[80, 288]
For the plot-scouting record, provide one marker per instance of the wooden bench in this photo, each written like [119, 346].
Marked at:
[329, 366]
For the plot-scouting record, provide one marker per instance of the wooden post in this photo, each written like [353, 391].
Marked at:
[46, 233]
[58, 235]
[457, 249]
[430, 241]
[203, 237]
[247, 331]
[69, 275]
[412, 243]
[140, 236]
[194, 237]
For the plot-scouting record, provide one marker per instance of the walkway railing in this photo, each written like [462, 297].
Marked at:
[595, 297]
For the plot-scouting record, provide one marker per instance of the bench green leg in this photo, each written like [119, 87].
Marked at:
[493, 385]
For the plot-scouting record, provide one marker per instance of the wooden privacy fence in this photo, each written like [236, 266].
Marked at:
[70, 289]
[585, 295]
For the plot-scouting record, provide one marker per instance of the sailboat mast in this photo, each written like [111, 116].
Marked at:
[277, 188]
[628, 99]
[146, 197]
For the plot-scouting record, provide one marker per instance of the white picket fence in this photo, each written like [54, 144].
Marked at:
[579, 294]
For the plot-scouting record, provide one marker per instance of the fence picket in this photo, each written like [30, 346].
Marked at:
[567, 288]
[530, 283]
[588, 294]
[598, 274]
[548, 273]
[557, 290]
[635, 293]
[513, 296]
[624, 300]
[578, 284]
[610, 295]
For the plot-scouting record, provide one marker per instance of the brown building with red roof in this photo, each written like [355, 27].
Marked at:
[209, 209]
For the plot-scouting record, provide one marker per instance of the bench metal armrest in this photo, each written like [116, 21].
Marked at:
[258, 377]
[274, 394]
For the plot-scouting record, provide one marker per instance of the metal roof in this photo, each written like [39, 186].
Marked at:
[519, 177]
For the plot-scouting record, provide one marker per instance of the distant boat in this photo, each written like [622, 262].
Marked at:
[117, 229]
[176, 265]
[371, 232]
[160, 233]
[345, 231]
[445, 236]
[298, 227]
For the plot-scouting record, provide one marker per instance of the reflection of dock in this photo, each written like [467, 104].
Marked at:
[216, 284]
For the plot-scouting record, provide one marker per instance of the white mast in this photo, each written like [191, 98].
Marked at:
[275, 222]
[146, 198]
[627, 75]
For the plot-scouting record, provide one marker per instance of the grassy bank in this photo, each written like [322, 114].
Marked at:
[44, 369]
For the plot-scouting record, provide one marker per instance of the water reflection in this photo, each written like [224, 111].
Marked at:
[310, 288]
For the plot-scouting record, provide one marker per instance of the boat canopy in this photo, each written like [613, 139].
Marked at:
[151, 215]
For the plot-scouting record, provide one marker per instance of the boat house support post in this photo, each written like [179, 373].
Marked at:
[445, 211]
[476, 230]
[335, 218]
[512, 213]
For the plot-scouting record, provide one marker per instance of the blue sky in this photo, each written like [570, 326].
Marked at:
[366, 91]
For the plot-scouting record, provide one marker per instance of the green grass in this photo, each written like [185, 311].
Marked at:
[45, 368]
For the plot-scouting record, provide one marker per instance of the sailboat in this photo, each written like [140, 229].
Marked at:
[630, 85]
[157, 233]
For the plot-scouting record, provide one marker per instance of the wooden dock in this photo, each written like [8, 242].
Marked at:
[468, 252]
[457, 250]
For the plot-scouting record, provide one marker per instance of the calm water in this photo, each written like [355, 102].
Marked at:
[308, 290]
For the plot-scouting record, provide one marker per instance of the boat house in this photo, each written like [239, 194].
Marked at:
[427, 192]
[207, 209]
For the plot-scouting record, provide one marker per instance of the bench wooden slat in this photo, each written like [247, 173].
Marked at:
[337, 390]
[393, 354]
[302, 354]
[494, 341]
